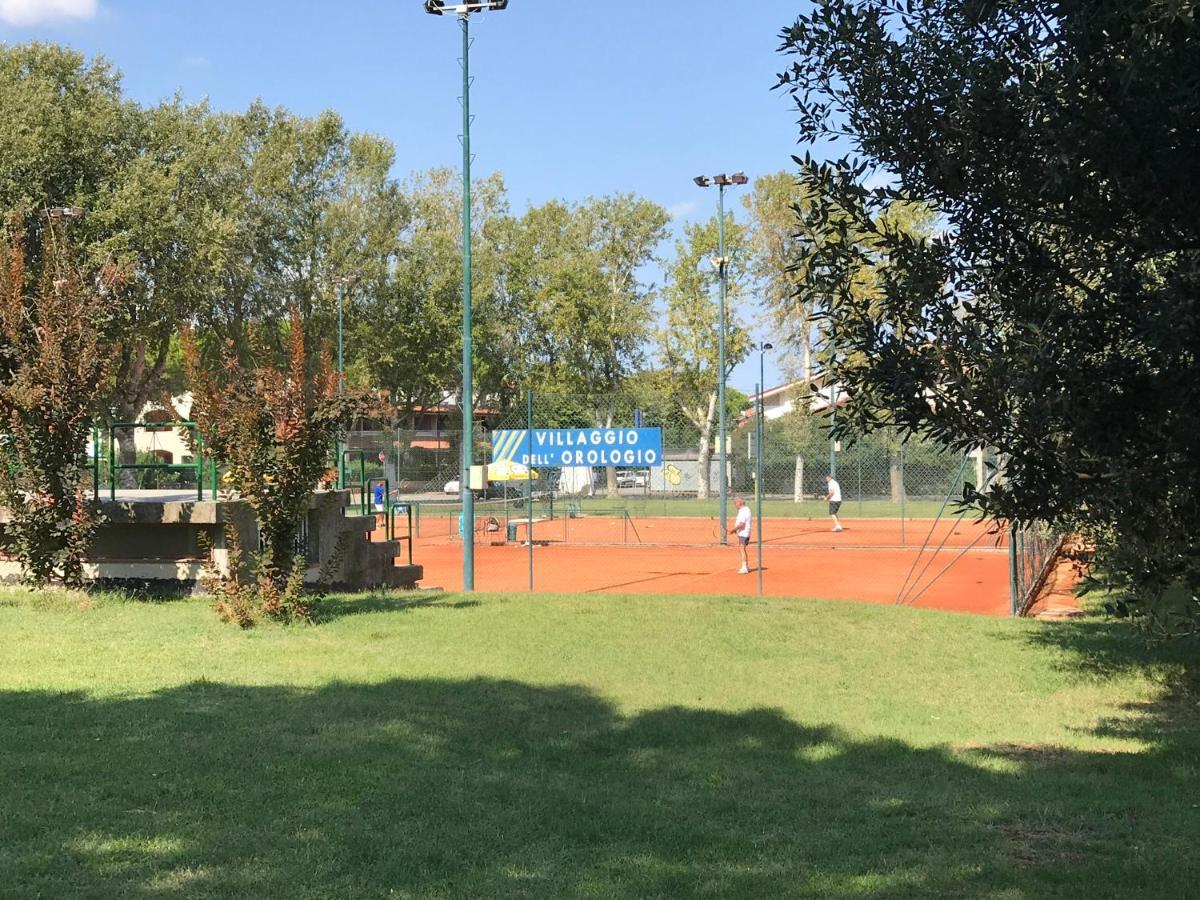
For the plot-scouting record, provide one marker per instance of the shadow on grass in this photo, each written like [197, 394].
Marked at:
[1100, 646]
[338, 606]
[486, 788]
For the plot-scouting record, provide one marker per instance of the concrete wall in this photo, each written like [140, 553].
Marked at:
[147, 539]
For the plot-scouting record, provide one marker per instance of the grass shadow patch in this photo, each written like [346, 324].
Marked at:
[339, 606]
[497, 788]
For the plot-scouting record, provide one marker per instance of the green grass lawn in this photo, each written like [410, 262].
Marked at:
[560, 747]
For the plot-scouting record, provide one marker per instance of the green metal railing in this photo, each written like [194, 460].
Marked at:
[115, 466]
[362, 471]
[406, 510]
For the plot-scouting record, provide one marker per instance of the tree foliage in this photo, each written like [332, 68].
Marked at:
[217, 219]
[273, 426]
[1054, 318]
[406, 325]
[55, 357]
[689, 339]
[578, 311]
[573, 289]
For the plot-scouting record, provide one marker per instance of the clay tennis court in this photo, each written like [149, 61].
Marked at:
[868, 562]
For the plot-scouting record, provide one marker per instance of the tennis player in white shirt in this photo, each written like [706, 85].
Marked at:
[834, 496]
[741, 527]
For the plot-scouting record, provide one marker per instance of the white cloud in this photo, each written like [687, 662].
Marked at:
[36, 12]
[195, 62]
[879, 178]
[681, 210]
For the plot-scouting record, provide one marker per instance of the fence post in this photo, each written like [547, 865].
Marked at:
[112, 465]
[798, 487]
[860, 490]
[1013, 587]
[199, 465]
[95, 463]
[529, 480]
[903, 491]
[758, 463]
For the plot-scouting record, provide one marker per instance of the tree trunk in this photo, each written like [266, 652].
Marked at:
[704, 457]
[126, 455]
[807, 356]
[610, 472]
[137, 381]
[896, 474]
[704, 466]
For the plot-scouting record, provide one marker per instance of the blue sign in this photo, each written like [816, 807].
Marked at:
[556, 448]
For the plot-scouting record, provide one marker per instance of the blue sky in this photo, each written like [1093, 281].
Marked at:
[571, 98]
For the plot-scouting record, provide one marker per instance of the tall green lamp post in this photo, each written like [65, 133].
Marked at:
[760, 428]
[464, 11]
[722, 182]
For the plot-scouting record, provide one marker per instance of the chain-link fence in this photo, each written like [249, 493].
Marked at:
[1032, 551]
[878, 476]
[903, 493]
[415, 462]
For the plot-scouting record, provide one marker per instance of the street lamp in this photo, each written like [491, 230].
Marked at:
[463, 11]
[760, 428]
[833, 397]
[722, 181]
[343, 287]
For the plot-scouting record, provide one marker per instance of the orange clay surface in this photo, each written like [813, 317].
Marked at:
[868, 562]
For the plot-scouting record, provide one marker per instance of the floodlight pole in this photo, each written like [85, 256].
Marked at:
[722, 181]
[468, 398]
[341, 346]
[761, 428]
[338, 447]
[833, 398]
[721, 461]
[463, 11]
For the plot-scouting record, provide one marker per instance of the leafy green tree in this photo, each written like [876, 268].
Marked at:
[407, 324]
[306, 208]
[573, 291]
[572, 279]
[215, 219]
[1053, 319]
[775, 205]
[67, 131]
[688, 341]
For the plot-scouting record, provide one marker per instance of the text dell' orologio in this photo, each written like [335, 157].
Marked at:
[559, 447]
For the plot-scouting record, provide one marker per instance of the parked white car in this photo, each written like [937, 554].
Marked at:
[634, 478]
[452, 487]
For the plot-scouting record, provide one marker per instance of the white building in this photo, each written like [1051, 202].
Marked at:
[167, 443]
[787, 398]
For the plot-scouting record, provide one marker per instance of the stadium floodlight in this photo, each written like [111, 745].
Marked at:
[722, 181]
[762, 350]
[439, 7]
[467, 394]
